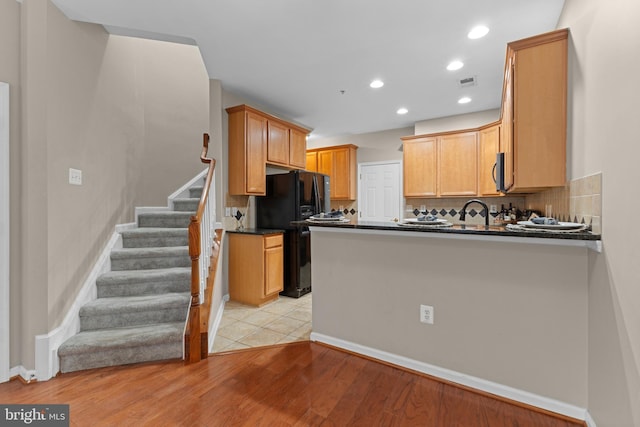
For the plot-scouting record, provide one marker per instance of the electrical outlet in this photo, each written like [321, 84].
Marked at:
[227, 211]
[234, 211]
[493, 209]
[426, 314]
[75, 176]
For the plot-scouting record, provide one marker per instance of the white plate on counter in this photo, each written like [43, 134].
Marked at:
[558, 226]
[322, 218]
[416, 221]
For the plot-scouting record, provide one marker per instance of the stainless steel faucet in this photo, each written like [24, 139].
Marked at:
[463, 212]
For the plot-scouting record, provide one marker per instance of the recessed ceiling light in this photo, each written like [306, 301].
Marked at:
[376, 84]
[402, 111]
[464, 100]
[455, 65]
[477, 32]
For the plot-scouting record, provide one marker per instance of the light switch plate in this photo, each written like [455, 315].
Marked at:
[75, 176]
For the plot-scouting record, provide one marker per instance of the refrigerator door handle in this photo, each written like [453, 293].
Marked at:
[316, 194]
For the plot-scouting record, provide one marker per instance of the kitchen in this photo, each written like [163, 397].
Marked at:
[370, 278]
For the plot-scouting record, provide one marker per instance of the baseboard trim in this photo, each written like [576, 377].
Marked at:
[213, 328]
[47, 362]
[480, 384]
[25, 375]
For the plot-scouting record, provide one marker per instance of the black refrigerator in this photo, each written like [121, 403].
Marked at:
[294, 196]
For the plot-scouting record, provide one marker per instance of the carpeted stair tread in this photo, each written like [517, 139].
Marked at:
[118, 312]
[119, 305]
[122, 337]
[155, 237]
[167, 219]
[150, 258]
[143, 282]
[122, 346]
[186, 205]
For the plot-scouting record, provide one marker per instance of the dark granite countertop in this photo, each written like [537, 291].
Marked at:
[492, 230]
[259, 231]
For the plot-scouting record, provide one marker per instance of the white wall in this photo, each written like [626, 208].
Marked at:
[511, 313]
[603, 137]
[129, 113]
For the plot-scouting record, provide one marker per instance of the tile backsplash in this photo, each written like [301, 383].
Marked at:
[578, 201]
[449, 208]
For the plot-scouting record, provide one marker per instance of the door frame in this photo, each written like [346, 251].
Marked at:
[5, 229]
[400, 183]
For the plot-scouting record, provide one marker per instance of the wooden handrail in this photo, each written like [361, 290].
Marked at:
[195, 349]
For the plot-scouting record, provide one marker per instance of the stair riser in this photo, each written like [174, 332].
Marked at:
[138, 318]
[154, 242]
[163, 221]
[121, 356]
[195, 193]
[137, 289]
[185, 206]
[149, 263]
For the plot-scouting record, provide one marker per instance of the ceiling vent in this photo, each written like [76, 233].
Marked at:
[468, 81]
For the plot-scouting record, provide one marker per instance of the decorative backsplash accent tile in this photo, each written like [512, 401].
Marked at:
[450, 208]
[347, 207]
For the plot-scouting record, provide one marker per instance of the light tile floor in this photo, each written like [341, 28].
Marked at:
[282, 321]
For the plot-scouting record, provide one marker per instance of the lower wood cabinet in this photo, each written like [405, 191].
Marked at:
[256, 267]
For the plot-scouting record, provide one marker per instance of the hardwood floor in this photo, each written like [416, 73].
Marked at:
[300, 384]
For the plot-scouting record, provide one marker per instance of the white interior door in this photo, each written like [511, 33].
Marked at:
[4, 233]
[379, 196]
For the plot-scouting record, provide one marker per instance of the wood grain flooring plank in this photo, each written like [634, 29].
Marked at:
[302, 384]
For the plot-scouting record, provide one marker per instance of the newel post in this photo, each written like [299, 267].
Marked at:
[192, 346]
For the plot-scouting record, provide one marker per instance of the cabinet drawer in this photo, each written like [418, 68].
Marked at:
[272, 241]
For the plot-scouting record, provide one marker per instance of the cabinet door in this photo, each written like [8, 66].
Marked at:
[297, 148]
[325, 165]
[458, 165]
[489, 147]
[312, 161]
[341, 178]
[539, 125]
[274, 270]
[255, 154]
[278, 143]
[419, 174]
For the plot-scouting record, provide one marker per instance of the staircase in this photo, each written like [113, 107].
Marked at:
[142, 303]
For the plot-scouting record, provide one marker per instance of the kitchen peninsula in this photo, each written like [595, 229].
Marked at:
[508, 311]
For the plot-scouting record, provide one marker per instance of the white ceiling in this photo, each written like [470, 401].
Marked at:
[296, 56]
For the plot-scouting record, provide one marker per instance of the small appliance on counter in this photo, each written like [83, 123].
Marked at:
[294, 196]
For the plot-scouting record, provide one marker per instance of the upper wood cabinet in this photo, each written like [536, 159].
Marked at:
[441, 165]
[247, 152]
[255, 139]
[534, 113]
[458, 164]
[277, 143]
[312, 161]
[488, 147]
[531, 132]
[340, 164]
[420, 167]
[297, 148]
